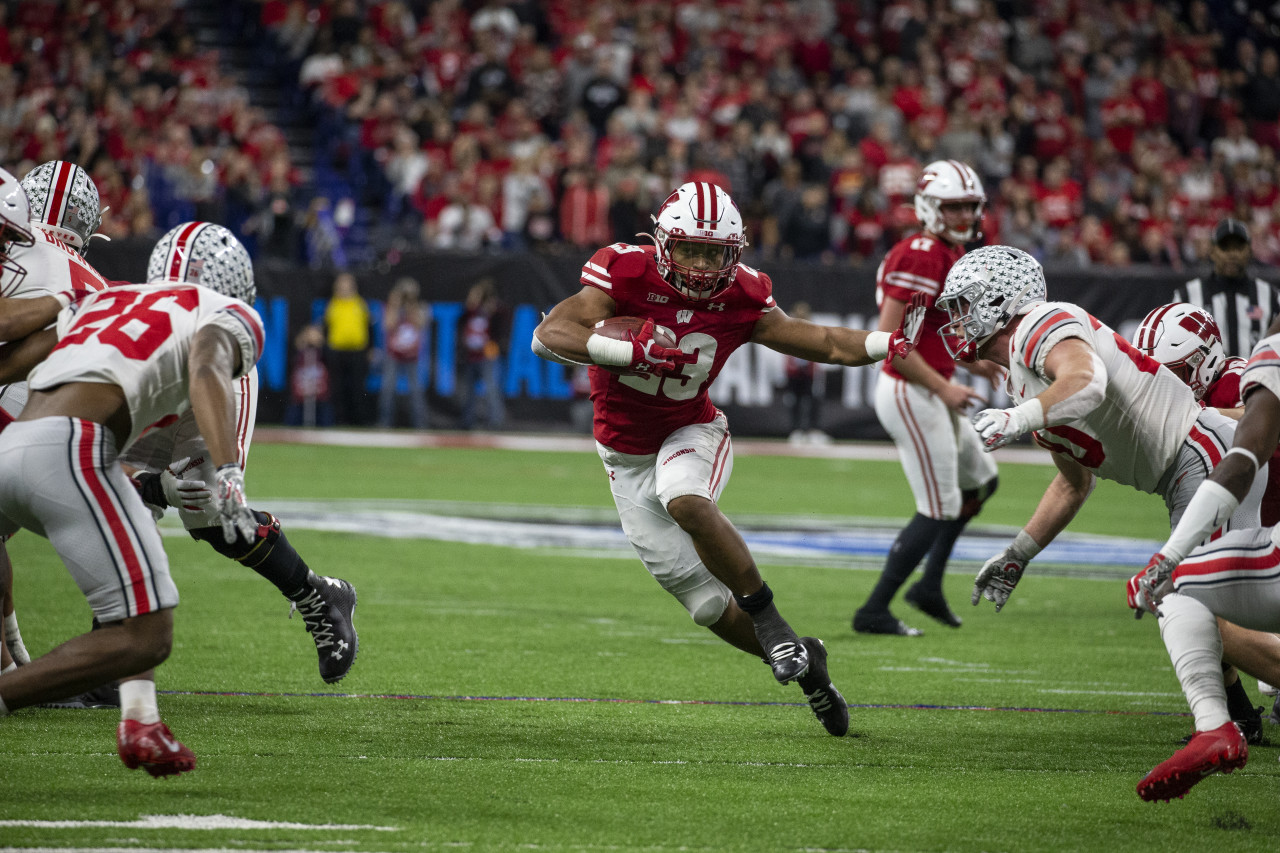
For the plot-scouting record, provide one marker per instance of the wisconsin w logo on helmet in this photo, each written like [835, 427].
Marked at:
[206, 254]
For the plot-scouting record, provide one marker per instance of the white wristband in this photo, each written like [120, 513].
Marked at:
[609, 352]
[1032, 413]
[877, 345]
[1024, 546]
[1248, 454]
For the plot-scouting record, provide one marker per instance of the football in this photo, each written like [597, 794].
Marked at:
[619, 328]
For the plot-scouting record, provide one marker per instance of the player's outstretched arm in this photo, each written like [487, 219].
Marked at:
[563, 333]
[826, 344]
[18, 357]
[1217, 498]
[1061, 501]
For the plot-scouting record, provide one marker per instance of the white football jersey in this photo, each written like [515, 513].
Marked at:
[139, 337]
[1263, 368]
[51, 266]
[1133, 436]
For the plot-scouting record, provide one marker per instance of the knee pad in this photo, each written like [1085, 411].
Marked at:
[971, 500]
[705, 602]
[250, 553]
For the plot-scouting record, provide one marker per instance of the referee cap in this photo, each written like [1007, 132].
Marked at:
[1229, 228]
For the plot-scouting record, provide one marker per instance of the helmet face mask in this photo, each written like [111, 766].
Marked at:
[64, 202]
[15, 229]
[206, 254]
[1186, 340]
[943, 187]
[984, 291]
[699, 234]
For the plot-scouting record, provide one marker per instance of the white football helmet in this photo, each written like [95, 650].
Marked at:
[949, 181]
[64, 202]
[984, 291]
[1186, 340]
[207, 254]
[701, 222]
[15, 228]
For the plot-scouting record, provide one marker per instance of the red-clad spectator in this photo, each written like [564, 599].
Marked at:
[1052, 130]
[1059, 198]
[1150, 92]
[864, 226]
[1122, 116]
[805, 120]
[584, 209]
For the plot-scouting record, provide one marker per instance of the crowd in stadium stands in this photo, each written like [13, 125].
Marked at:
[1106, 132]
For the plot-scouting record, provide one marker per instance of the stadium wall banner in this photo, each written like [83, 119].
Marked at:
[540, 395]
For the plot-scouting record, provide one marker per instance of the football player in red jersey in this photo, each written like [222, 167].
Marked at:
[923, 409]
[664, 444]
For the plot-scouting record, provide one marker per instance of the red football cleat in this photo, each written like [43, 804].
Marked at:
[152, 747]
[1222, 749]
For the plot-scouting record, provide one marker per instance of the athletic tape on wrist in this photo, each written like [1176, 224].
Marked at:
[877, 345]
[1024, 547]
[609, 352]
[1210, 506]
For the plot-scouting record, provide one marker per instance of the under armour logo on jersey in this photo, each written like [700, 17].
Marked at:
[715, 306]
[658, 297]
[684, 316]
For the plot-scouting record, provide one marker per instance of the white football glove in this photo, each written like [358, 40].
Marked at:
[232, 506]
[998, 427]
[998, 577]
[192, 495]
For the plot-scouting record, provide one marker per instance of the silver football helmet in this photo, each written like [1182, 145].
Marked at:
[700, 222]
[1186, 340]
[946, 181]
[984, 291]
[206, 254]
[64, 202]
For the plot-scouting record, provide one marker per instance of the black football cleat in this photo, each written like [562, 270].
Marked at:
[106, 696]
[824, 699]
[789, 660]
[328, 611]
[883, 623]
[932, 605]
[1250, 727]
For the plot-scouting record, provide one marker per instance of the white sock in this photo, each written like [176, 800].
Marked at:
[10, 668]
[138, 700]
[13, 639]
[1190, 634]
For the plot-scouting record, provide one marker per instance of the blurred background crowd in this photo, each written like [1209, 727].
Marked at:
[330, 132]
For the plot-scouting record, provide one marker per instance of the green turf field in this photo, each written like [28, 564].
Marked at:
[509, 698]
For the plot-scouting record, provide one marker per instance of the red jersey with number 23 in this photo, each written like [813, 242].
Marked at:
[635, 414]
[919, 264]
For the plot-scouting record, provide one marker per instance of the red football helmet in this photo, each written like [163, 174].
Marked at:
[701, 225]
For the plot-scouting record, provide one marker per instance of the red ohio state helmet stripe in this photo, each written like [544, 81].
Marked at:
[58, 195]
[178, 251]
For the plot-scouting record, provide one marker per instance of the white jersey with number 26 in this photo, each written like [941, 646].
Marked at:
[139, 337]
[1133, 436]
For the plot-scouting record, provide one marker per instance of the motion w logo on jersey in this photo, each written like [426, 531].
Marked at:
[684, 316]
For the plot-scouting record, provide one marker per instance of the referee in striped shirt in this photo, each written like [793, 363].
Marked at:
[1243, 306]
